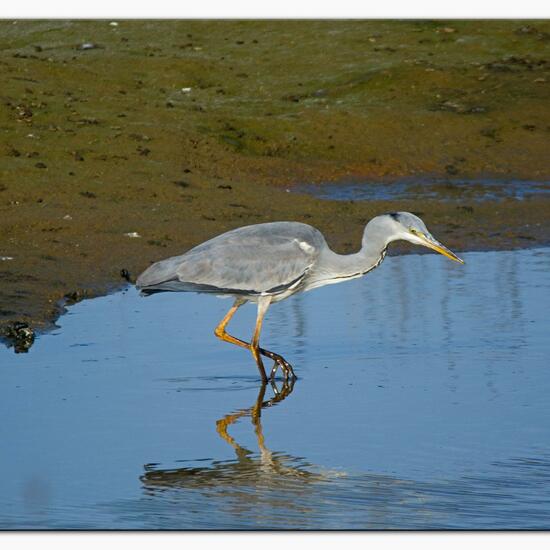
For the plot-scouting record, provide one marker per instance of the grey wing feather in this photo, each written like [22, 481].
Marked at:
[263, 258]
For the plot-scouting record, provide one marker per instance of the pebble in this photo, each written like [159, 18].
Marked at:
[87, 46]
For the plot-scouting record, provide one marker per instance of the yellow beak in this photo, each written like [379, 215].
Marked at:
[438, 247]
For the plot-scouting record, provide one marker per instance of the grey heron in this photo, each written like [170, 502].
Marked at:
[268, 262]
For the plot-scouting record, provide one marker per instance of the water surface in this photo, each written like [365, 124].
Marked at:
[422, 403]
[439, 188]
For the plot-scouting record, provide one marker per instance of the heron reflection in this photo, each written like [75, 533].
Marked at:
[273, 489]
[272, 478]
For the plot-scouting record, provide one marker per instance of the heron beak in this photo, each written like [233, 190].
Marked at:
[438, 247]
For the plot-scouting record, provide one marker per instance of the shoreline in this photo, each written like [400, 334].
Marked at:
[176, 131]
[21, 335]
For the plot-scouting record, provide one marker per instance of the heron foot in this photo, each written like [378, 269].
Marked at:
[279, 362]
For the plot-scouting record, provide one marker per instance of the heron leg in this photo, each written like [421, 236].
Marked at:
[254, 347]
[263, 304]
[220, 332]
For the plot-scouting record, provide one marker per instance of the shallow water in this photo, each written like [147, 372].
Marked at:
[441, 189]
[422, 403]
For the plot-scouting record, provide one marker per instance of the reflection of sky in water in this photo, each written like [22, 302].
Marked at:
[426, 188]
[422, 402]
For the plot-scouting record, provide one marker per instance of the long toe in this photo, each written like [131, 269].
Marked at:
[280, 362]
[289, 373]
[286, 367]
[274, 370]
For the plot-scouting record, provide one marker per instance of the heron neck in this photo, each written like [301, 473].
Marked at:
[342, 266]
[334, 268]
[376, 238]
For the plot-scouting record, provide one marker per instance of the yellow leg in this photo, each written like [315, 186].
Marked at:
[253, 347]
[219, 331]
[263, 304]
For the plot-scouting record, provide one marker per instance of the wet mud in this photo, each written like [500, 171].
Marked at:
[123, 142]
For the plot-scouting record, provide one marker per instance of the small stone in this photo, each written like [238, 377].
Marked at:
[87, 46]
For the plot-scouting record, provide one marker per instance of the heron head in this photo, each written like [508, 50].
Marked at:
[408, 227]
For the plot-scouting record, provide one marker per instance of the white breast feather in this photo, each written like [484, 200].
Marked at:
[304, 246]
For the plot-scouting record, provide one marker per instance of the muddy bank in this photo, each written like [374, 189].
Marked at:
[124, 143]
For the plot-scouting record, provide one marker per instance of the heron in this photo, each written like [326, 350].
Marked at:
[269, 262]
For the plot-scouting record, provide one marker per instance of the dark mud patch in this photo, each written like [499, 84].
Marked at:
[20, 336]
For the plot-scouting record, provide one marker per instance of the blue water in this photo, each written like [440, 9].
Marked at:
[422, 402]
[425, 189]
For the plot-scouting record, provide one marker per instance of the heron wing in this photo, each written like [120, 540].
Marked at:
[263, 258]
